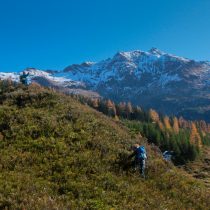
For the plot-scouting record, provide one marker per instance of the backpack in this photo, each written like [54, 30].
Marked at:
[141, 153]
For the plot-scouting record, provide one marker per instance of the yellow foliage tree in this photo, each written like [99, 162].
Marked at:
[166, 122]
[175, 125]
[111, 108]
[161, 126]
[194, 136]
[95, 103]
[154, 115]
[129, 108]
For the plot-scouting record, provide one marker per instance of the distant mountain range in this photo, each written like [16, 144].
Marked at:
[170, 84]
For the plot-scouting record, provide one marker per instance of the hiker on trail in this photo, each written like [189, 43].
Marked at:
[139, 152]
[24, 78]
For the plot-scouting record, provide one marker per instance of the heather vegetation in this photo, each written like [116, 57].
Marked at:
[56, 153]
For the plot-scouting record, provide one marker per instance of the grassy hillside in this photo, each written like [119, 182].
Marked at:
[185, 138]
[201, 167]
[56, 153]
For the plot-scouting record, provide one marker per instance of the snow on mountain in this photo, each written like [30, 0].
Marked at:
[146, 69]
[153, 79]
[134, 63]
[37, 75]
[10, 76]
[167, 82]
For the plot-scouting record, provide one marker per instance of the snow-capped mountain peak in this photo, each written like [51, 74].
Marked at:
[152, 79]
[130, 55]
[156, 51]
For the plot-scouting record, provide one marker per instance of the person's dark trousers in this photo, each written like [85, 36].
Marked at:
[140, 164]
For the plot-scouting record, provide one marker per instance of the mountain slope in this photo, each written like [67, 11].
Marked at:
[154, 79]
[170, 84]
[48, 79]
[201, 167]
[56, 153]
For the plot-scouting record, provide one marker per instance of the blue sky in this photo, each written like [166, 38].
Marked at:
[51, 34]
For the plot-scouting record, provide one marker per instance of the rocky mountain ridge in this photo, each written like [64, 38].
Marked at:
[171, 84]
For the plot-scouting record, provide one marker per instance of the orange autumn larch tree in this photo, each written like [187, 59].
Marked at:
[175, 125]
[166, 122]
[154, 115]
[195, 136]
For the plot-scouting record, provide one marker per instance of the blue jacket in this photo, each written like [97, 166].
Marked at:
[140, 153]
